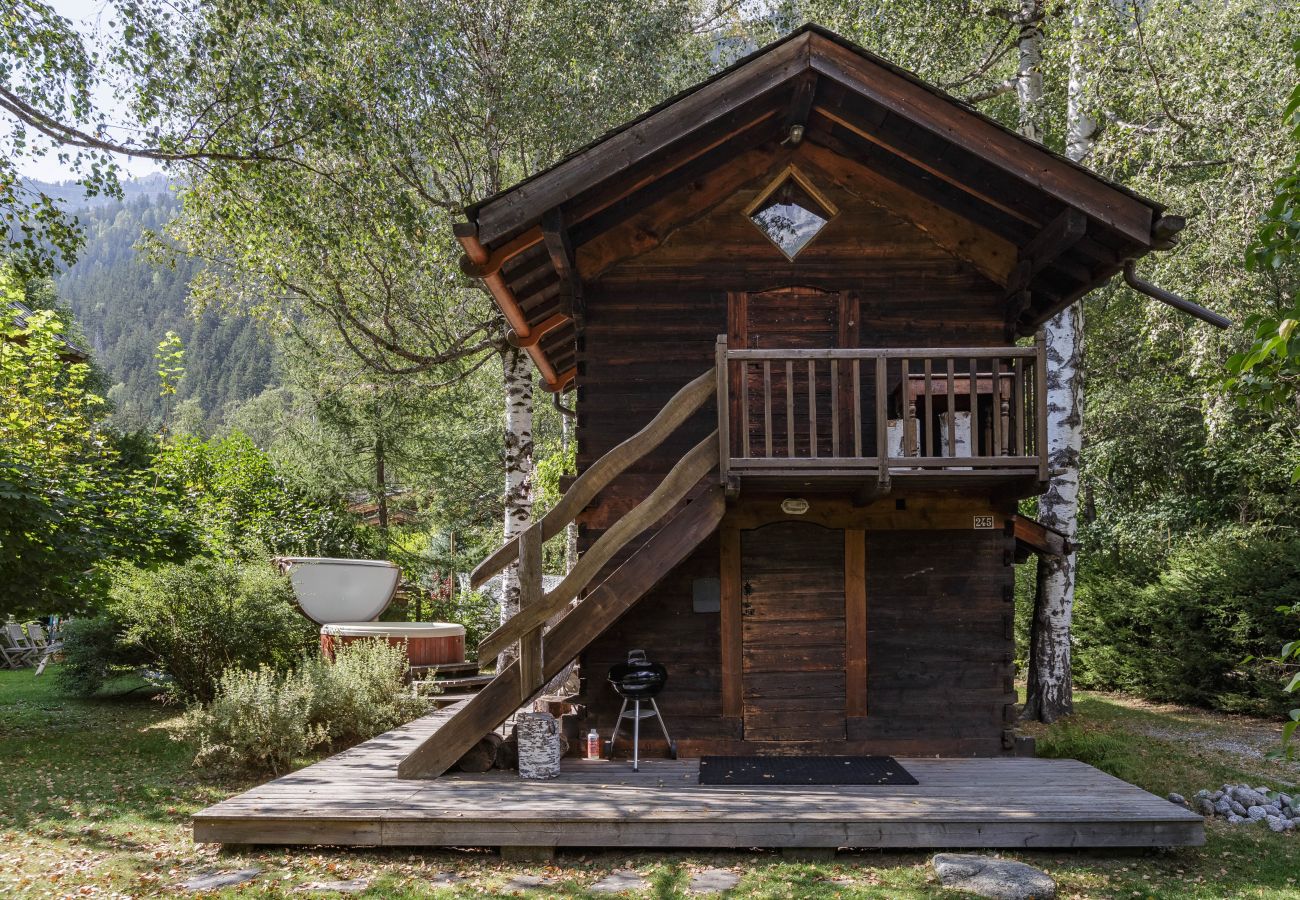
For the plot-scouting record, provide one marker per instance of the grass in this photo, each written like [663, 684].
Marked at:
[96, 800]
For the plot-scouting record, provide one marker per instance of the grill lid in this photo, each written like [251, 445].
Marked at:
[638, 678]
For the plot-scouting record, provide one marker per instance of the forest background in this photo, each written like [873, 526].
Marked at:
[1190, 550]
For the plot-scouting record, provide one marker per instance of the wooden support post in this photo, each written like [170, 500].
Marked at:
[1040, 403]
[530, 593]
[882, 417]
[731, 621]
[855, 621]
[723, 371]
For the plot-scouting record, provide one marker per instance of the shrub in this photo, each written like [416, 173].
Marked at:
[259, 720]
[266, 719]
[1184, 635]
[1097, 749]
[93, 653]
[195, 620]
[363, 692]
[478, 612]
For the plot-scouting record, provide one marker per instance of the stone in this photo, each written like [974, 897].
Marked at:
[216, 880]
[1275, 823]
[1285, 800]
[1223, 808]
[1273, 809]
[1205, 807]
[1001, 879]
[352, 886]
[713, 881]
[1177, 798]
[528, 883]
[1234, 819]
[619, 882]
[1217, 796]
[1256, 812]
[1201, 794]
[1288, 824]
[443, 879]
[1248, 797]
[1237, 808]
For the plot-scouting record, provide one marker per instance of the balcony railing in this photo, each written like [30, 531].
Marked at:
[892, 410]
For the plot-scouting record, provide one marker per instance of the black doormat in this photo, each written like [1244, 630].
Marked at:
[803, 770]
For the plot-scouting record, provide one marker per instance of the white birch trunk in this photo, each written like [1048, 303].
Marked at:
[518, 379]
[1050, 688]
[1029, 71]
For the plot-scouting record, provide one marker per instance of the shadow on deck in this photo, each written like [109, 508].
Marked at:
[356, 799]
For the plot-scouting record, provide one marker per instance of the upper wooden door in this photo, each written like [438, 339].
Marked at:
[794, 318]
[792, 633]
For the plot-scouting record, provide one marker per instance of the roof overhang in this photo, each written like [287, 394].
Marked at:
[1070, 230]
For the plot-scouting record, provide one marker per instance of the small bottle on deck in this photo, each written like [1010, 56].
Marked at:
[593, 745]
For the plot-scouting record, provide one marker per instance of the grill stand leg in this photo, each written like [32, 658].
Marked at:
[662, 724]
[636, 736]
[618, 723]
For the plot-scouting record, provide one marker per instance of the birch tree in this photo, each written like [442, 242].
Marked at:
[1050, 680]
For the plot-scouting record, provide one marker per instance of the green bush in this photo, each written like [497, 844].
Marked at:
[1097, 749]
[264, 720]
[1186, 633]
[477, 612]
[93, 653]
[363, 692]
[196, 620]
[258, 720]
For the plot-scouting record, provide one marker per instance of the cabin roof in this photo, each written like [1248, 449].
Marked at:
[1059, 229]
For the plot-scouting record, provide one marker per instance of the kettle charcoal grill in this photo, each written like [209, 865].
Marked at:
[638, 680]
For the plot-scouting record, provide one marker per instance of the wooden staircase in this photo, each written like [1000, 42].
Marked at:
[542, 657]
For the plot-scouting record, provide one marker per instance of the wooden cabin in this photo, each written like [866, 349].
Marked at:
[799, 306]
[806, 295]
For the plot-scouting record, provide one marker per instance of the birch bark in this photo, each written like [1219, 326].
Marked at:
[518, 379]
[1050, 689]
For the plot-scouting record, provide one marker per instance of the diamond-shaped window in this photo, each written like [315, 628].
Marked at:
[790, 212]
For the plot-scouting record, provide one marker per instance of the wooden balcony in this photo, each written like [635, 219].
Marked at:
[930, 416]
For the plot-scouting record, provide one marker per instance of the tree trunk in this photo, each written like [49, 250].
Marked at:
[570, 530]
[1050, 689]
[1029, 72]
[381, 489]
[518, 378]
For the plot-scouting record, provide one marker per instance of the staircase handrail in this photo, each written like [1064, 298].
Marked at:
[580, 494]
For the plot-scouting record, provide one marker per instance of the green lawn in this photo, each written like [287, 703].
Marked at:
[96, 801]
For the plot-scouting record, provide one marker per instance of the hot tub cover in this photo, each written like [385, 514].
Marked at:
[342, 590]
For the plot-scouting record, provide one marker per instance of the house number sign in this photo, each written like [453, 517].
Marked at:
[983, 521]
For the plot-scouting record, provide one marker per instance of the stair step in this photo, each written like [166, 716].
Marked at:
[470, 681]
[440, 700]
[470, 667]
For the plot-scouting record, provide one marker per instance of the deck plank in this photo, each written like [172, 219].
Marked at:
[356, 799]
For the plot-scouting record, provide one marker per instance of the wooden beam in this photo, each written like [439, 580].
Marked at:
[731, 623]
[602, 607]
[636, 143]
[983, 139]
[658, 221]
[555, 234]
[800, 104]
[991, 255]
[1038, 537]
[499, 256]
[1044, 248]
[530, 594]
[855, 621]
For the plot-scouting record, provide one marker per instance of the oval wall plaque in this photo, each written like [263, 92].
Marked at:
[794, 506]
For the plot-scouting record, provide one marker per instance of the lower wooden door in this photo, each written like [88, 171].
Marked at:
[792, 633]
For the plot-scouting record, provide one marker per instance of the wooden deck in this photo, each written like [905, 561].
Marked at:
[356, 799]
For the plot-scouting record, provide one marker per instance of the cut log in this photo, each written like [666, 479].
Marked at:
[483, 755]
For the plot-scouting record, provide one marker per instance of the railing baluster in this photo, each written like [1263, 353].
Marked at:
[744, 407]
[929, 411]
[905, 392]
[974, 407]
[767, 406]
[857, 408]
[995, 378]
[882, 415]
[789, 408]
[1018, 409]
[812, 408]
[949, 364]
[835, 408]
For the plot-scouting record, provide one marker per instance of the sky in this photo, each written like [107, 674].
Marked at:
[91, 18]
